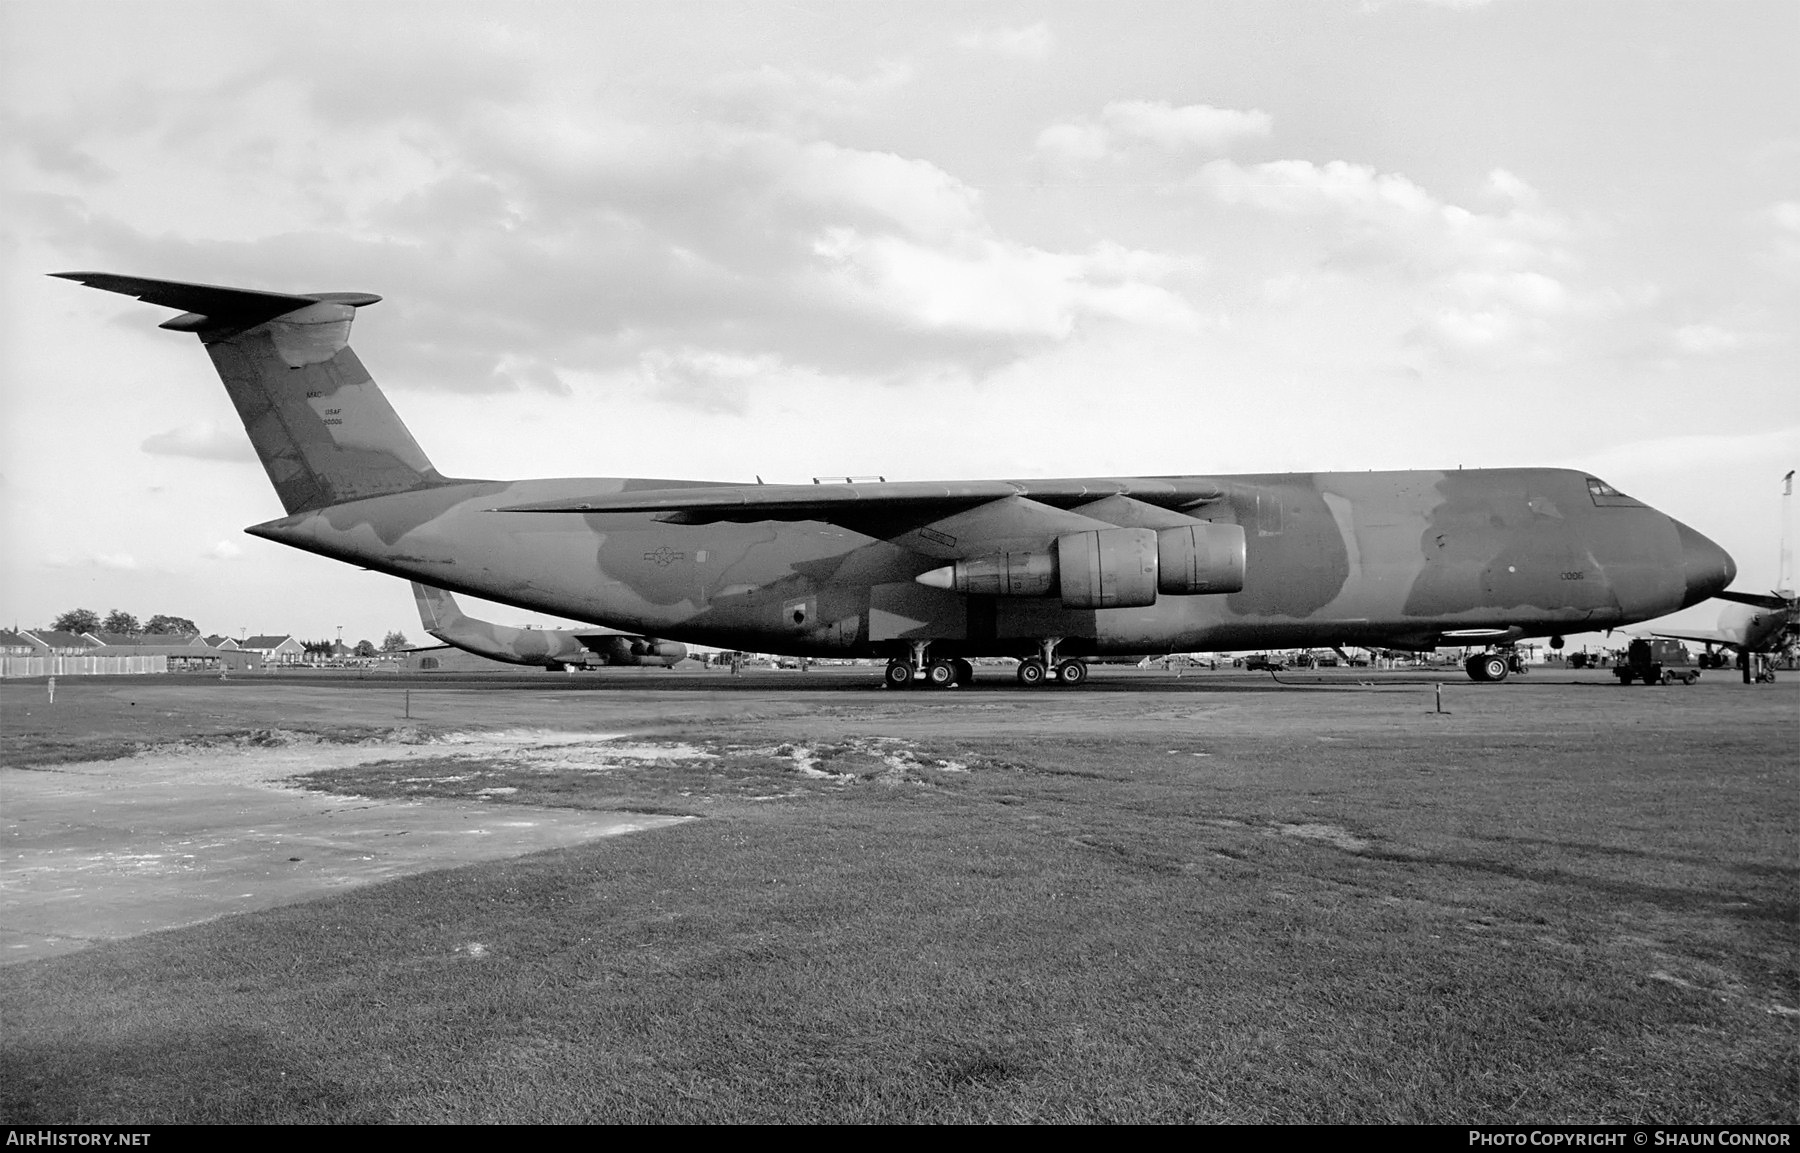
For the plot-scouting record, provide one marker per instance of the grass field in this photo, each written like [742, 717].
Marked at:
[1205, 900]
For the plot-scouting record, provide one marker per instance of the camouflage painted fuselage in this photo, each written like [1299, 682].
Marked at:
[1100, 565]
[1379, 558]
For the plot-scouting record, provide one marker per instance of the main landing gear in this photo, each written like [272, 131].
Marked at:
[920, 669]
[1034, 671]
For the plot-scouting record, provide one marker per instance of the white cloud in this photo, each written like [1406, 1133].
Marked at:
[798, 97]
[539, 244]
[1706, 339]
[1785, 217]
[987, 286]
[1483, 281]
[1033, 42]
[202, 440]
[1198, 126]
[1461, 5]
[224, 550]
[1081, 143]
[116, 561]
[711, 382]
[1123, 124]
[1300, 186]
[915, 195]
[1701, 451]
[1505, 186]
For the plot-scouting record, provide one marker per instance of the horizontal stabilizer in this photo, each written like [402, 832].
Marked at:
[212, 304]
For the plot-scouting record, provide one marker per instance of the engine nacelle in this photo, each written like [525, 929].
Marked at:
[1007, 574]
[1195, 559]
[654, 652]
[1109, 568]
[627, 650]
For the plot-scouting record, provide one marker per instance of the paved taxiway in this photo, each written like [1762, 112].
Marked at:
[107, 849]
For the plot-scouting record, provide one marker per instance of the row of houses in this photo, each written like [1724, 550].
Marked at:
[48, 652]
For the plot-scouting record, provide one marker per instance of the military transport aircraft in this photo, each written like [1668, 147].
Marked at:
[1755, 623]
[545, 648]
[930, 574]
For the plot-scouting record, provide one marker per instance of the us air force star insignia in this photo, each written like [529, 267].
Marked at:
[664, 556]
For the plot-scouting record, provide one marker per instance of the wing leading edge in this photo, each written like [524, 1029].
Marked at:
[833, 502]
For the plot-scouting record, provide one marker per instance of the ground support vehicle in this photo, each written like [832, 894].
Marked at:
[1656, 662]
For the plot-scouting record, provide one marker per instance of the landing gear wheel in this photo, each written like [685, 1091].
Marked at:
[899, 674]
[940, 674]
[965, 672]
[1071, 672]
[1476, 669]
[1032, 672]
[1494, 667]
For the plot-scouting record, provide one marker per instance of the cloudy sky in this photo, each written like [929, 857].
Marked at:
[915, 240]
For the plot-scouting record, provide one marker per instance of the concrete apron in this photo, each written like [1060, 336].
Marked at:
[101, 850]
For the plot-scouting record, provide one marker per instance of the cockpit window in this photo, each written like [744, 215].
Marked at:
[1606, 496]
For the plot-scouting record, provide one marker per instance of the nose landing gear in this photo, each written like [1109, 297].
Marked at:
[1493, 667]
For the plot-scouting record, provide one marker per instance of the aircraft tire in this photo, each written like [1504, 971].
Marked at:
[899, 674]
[1494, 668]
[1475, 668]
[1072, 673]
[965, 672]
[1032, 673]
[940, 674]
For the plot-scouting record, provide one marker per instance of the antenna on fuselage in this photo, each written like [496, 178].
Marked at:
[1784, 572]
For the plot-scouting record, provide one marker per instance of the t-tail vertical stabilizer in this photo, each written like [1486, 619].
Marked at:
[323, 430]
[438, 611]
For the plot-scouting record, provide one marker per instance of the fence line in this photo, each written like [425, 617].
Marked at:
[81, 666]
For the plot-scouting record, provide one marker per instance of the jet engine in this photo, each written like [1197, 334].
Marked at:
[1110, 568]
[649, 651]
[626, 650]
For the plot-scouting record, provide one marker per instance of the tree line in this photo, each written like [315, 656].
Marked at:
[120, 621]
[124, 623]
[393, 642]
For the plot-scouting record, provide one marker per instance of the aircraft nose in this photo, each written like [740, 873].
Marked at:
[1706, 569]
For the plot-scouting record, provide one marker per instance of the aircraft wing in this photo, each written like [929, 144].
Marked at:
[828, 502]
[891, 509]
[1758, 600]
[1702, 636]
